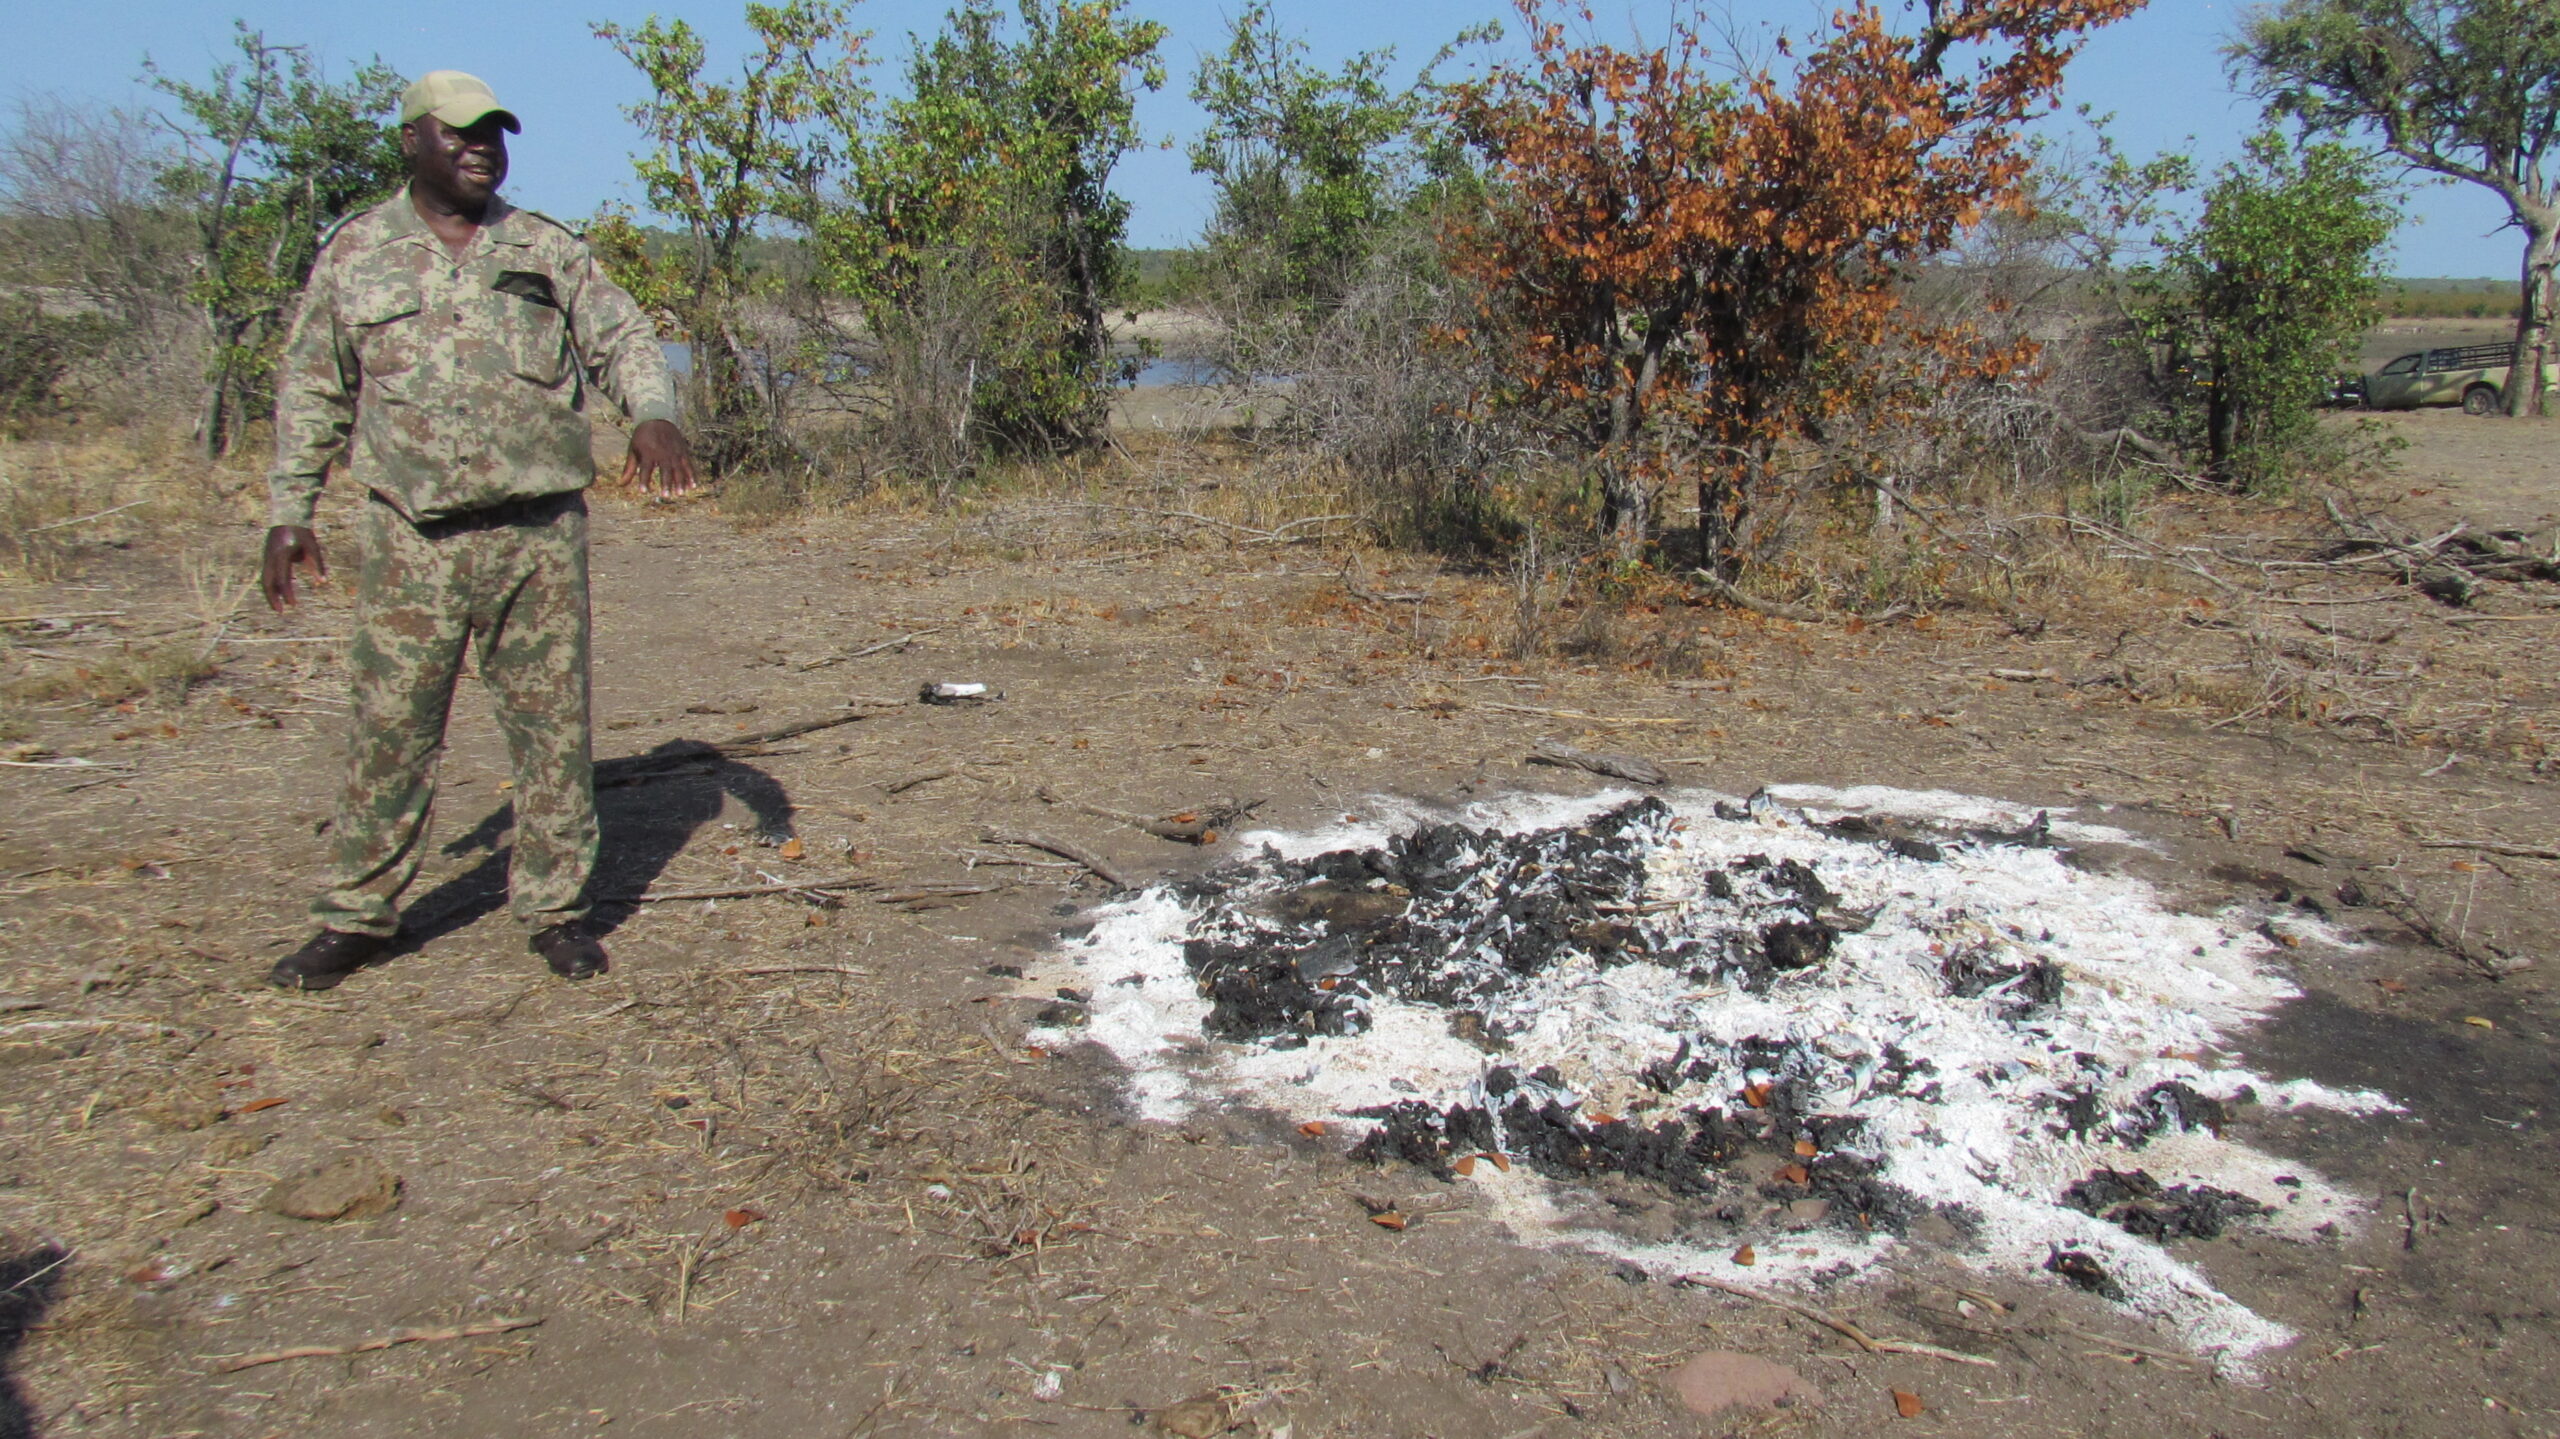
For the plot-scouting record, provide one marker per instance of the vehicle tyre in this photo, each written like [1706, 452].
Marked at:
[2480, 400]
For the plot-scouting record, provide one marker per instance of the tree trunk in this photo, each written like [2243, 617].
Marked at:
[1724, 498]
[2221, 425]
[215, 425]
[721, 413]
[2525, 367]
[1625, 505]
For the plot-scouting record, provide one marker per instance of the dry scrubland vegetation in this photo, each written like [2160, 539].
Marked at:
[1463, 471]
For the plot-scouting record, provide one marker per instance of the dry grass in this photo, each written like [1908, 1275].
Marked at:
[162, 673]
[68, 497]
[835, 1077]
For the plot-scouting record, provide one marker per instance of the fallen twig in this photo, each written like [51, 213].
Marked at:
[1843, 1327]
[2494, 846]
[33, 1026]
[84, 519]
[49, 619]
[918, 894]
[749, 891]
[1198, 825]
[2128, 1346]
[867, 650]
[1578, 714]
[366, 1346]
[807, 726]
[1101, 867]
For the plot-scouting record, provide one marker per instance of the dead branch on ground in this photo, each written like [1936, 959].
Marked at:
[1725, 591]
[2448, 567]
[1101, 867]
[1635, 768]
[1200, 824]
[1838, 1325]
[367, 1346]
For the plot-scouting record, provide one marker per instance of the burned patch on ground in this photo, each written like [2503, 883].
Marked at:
[1708, 1022]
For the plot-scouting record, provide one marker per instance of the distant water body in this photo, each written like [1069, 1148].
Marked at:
[1155, 374]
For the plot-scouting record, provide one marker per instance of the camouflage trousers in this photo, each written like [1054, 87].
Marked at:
[509, 583]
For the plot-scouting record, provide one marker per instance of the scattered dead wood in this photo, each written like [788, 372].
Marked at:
[1063, 849]
[1726, 591]
[2448, 567]
[367, 1346]
[1201, 824]
[1635, 768]
[1838, 1325]
[2125, 436]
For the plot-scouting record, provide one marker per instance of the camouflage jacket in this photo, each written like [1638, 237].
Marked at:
[463, 383]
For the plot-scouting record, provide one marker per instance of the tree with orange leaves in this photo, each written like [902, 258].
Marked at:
[1682, 273]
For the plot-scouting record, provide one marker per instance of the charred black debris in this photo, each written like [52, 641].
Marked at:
[1462, 919]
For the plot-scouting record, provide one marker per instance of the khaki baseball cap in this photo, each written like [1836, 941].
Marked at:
[456, 99]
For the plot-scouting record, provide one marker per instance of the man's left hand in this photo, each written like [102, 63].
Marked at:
[660, 460]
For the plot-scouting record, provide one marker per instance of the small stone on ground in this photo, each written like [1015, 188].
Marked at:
[358, 1187]
[1718, 1380]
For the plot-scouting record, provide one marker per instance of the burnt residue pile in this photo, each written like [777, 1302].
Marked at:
[1669, 1028]
[1458, 917]
[1481, 925]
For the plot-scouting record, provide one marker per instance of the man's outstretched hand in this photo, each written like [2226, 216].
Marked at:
[660, 460]
[288, 546]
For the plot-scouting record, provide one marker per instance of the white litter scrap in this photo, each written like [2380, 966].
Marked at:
[1924, 1044]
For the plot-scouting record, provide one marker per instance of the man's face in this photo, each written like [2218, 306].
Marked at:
[466, 165]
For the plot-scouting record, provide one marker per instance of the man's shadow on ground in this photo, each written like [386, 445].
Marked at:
[649, 806]
[29, 1282]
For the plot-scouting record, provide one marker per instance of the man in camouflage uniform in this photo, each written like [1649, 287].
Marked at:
[445, 349]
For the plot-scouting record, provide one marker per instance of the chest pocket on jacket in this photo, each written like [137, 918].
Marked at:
[384, 321]
[533, 330]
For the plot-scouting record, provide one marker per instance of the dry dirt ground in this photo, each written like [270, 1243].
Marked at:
[794, 1171]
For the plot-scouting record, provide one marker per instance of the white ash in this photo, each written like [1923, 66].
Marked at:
[2147, 997]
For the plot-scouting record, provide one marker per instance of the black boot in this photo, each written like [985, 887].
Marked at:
[326, 958]
[572, 950]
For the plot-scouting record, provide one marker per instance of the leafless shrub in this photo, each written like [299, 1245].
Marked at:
[86, 230]
[1378, 389]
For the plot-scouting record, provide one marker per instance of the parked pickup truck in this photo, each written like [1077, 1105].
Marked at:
[2472, 376]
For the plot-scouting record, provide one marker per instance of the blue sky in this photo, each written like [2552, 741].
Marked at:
[2160, 73]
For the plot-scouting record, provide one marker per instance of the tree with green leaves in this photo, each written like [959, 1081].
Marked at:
[276, 152]
[2258, 302]
[1307, 162]
[2465, 89]
[983, 199]
[728, 159]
